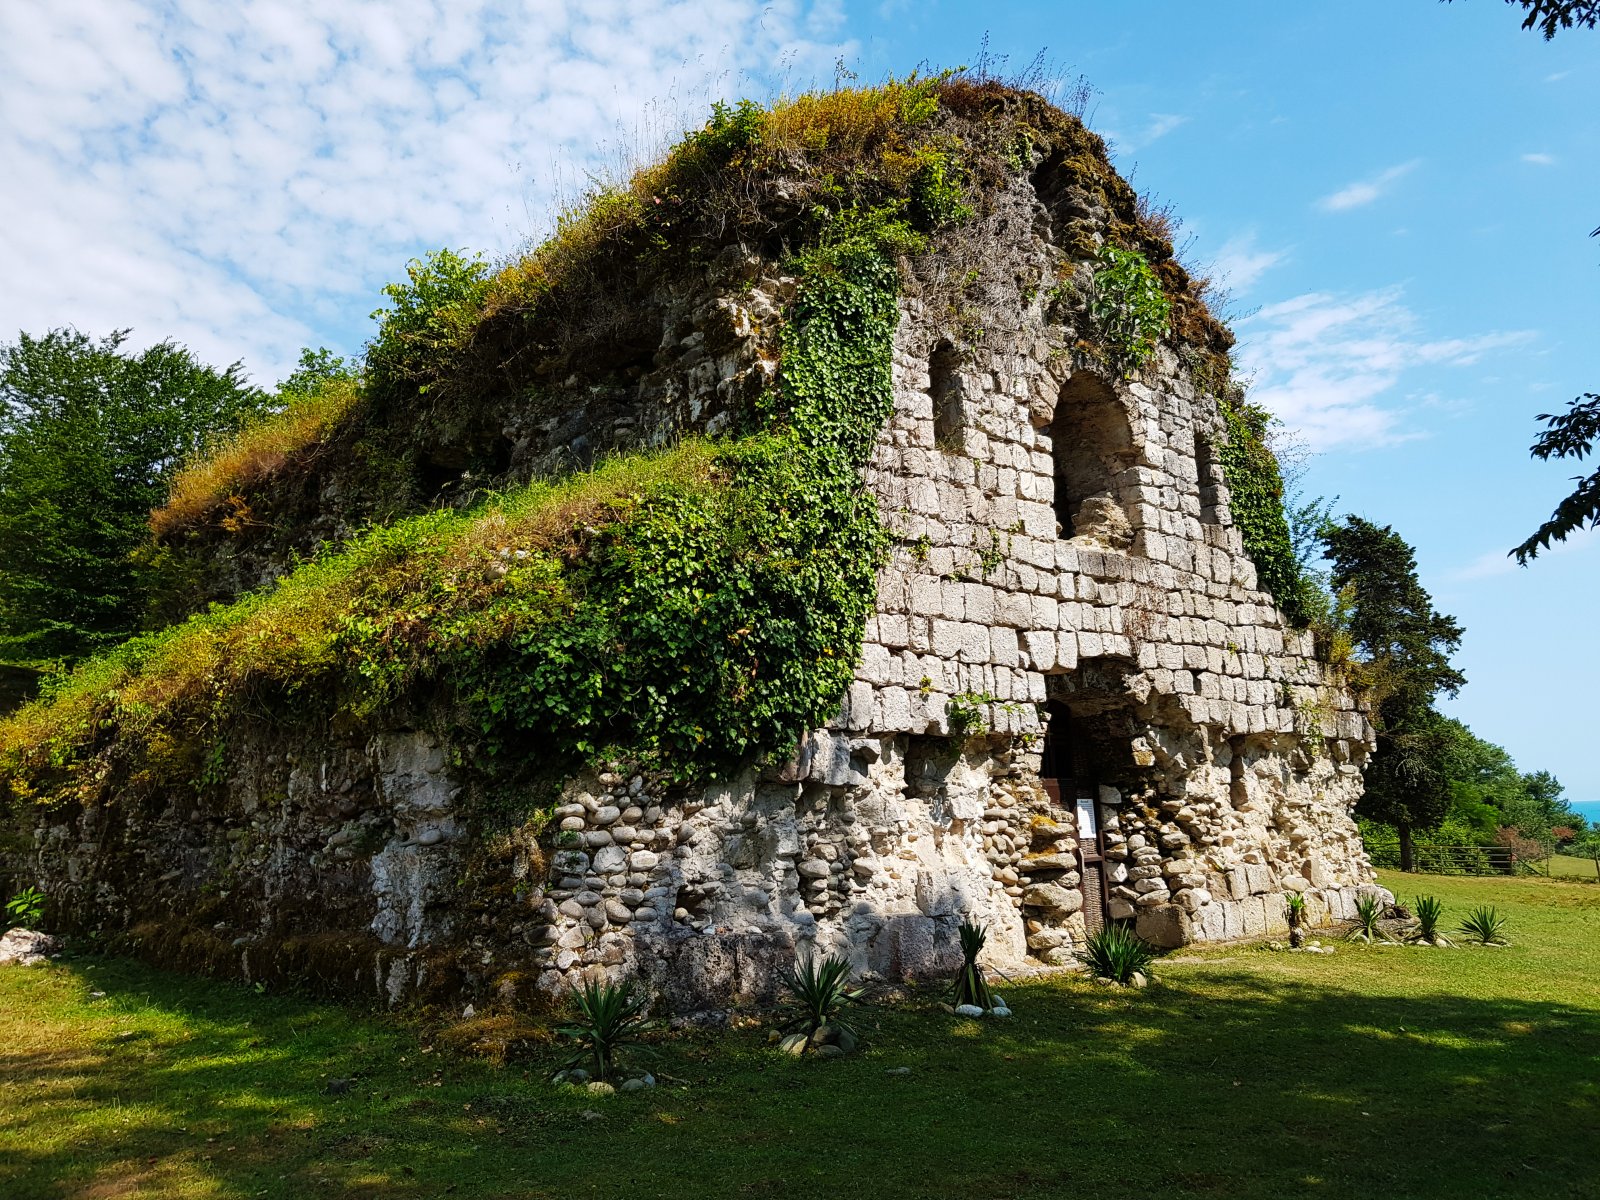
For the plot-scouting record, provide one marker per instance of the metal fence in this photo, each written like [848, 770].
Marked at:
[1488, 859]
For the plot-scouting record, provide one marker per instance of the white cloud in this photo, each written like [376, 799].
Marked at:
[1160, 124]
[242, 177]
[1365, 191]
[1239, 264]
[1329, 366]
[1493, 563]
[1540, 160]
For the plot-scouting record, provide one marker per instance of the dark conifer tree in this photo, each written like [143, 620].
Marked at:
[1407, 647]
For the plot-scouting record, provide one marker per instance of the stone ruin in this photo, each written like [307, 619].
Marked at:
[1075, 705]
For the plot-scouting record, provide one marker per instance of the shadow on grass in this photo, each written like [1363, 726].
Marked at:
[1220, 1084]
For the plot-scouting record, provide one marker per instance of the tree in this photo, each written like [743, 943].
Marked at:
[1406, 647]
[89, 434]
[1550, 15]
[1571, 434]
[1536, 805]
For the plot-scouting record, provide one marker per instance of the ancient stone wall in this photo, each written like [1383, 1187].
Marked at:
[1067, 583]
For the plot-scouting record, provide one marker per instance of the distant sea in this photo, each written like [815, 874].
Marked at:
[1589, 808]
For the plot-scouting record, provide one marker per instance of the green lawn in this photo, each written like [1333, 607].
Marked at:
[1382, 1072]
[1573, 866]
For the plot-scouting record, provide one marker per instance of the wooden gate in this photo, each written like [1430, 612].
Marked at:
[1069, 781]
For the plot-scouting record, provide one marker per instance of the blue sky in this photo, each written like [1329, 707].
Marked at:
[1397, 191]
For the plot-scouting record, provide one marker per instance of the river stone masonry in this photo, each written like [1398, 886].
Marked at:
[1074, 704]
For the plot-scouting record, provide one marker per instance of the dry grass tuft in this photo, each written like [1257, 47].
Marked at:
[250, 457]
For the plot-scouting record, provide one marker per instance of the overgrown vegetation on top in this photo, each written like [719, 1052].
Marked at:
[1127, 307]
[215, 480]
[690, 607]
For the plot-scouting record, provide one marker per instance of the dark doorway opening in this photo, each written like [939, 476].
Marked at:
[1069, 779]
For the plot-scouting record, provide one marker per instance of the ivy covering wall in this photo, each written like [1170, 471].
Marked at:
[1255, 489]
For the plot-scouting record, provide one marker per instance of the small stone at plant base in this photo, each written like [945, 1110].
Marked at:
[1138, 979]
[999, 1010]
[634, 1085]
[830, 1051]
[576, 1075]
[597, 1087]
[968, 1010]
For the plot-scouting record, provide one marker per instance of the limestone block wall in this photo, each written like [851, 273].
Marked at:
[1065, 558]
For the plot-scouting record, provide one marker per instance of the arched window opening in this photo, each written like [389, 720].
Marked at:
[944, 385]
[1093, 446]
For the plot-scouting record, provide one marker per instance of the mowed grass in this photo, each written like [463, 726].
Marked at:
[1396, 1072]
[1573, 867]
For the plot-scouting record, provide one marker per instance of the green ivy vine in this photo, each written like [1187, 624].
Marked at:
[1255, 489]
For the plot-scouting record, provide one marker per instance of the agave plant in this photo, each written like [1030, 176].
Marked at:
[1484, 926]
[971, 987]
[1117, 954]
[1429, 910]
[821, 992]
[1295, 905]
[610, 1017]
[1369, 914]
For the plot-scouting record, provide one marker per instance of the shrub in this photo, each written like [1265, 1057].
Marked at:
[26, 907]
[971, 987]
[1429, 910]
[821, 993]
[431, 318]
[1116, 954]
[1483, 926]
[1368, 925]
[611, 1016]
[1127, 307]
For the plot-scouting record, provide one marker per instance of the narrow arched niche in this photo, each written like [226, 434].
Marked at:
[1210, 479]
[944, 386]
[1092, 443]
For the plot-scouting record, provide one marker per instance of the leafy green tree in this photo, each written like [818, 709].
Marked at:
[1482, 775]
[1537, 804]
[1406, 647]
[89, 433]
[1571, 434]
[1548, 16]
